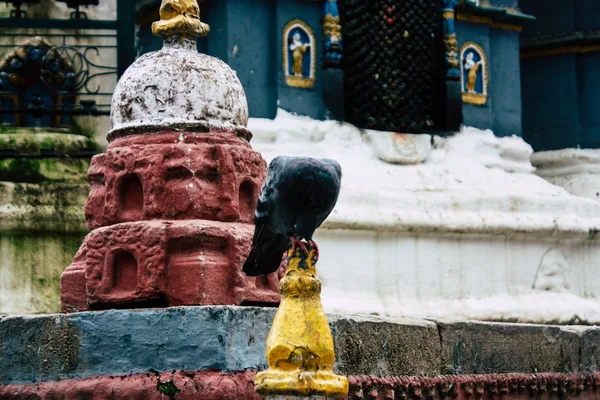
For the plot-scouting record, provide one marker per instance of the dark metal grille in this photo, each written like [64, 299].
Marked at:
[53, 69]
[393, 63]
[47, 78]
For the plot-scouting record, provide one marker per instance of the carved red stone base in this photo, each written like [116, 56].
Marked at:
[175, 176]
[165, 263]
[171, 213]
[210, 385]
[180, 385]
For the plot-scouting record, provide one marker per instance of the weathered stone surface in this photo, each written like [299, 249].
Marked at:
[385, 346]
[42, 193]
[73, 296]
[41, 226]
[35, 141]
[178, 85]
[233, 339]
[113, 342]
[175, 176]
[30, 268]
[42, 170]
[213, 385]
[479, 348]
[197, 338]
[173, 196]
[65, 156]
[165, 263]
[540, 386]
[149, 386]
[573, 169]
[171, 214]
[590, 347]
[45, 347]
[42, 207]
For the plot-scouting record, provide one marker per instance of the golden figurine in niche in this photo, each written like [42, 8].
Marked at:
[299, 54]
[298, 49]
[472, 68]
[474, 74]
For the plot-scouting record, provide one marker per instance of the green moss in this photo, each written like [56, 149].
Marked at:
[4, 129]
[83, 131]
[54, 347]
[38, 170]
[20, 170]
[33, 263]
[27, 142]
[167, 388]
[47, 207]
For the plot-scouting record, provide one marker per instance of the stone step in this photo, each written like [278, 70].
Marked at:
[57, 347]
[215, 385]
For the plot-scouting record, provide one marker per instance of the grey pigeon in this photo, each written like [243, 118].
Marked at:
[297, 196]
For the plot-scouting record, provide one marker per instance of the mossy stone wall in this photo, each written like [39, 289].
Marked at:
[30, 269]
[41, 229]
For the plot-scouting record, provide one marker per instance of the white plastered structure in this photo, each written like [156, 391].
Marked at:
[577, 170]
[471, 232]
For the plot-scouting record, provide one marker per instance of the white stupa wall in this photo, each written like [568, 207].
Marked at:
[577, 170]
[471, 232]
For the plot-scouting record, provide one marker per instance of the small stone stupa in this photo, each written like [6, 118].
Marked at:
[172, 200]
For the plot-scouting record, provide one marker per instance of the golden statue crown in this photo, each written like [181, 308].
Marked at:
[180, 18]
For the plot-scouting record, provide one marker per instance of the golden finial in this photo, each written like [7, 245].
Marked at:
[180, 18]
[300, 349]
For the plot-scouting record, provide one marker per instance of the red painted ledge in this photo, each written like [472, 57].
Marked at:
[218, 386]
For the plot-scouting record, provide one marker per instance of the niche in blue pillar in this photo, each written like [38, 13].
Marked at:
[474, 75]
[299, 54]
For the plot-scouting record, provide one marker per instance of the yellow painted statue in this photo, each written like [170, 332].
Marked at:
[298, 49]
[472, 67]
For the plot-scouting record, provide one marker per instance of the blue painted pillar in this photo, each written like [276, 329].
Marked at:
[332, 35]
[560, 60]
[243, 35]
[125, 34]
[453, 112]
[333, 53]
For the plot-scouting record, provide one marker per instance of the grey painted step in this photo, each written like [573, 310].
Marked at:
[118, 342]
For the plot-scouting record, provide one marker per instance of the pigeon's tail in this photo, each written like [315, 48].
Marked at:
[267, 251]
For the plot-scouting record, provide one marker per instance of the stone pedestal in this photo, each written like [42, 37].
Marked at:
[172, 199]
[172, 216]
[212, 353]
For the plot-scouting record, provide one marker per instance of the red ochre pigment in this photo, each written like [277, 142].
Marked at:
[223, 386]
[171, 215]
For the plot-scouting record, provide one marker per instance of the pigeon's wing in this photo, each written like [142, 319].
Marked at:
[266, 253]
[335, 190]
[268, 193]
[268, 245]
